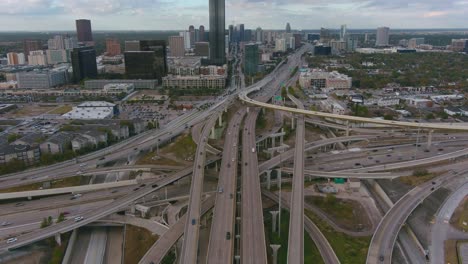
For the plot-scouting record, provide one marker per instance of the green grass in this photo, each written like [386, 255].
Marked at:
[66, 182]
[184, 147]
[461, 215]
[61, 110]
[348, 249]
[311, 253]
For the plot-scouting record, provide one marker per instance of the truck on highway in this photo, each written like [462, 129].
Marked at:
[253, 150]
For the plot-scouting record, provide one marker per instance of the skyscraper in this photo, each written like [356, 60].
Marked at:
[148, 63]
[343, 33]
[201, 34]
[259, 35]
[192, 35]
[251, 59]
[288, 28]
[84, 63]
[241, 32]
[176, 46]
[83, 30]
[113, 47]
[217, 28]
[31, 45]
[15, 58]
[324, 35]
[57, 43]
[231, 33]
[383, 34]
[297, 40]
[186, 36]
[132, 45]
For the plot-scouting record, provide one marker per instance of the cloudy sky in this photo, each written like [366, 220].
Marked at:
[42, 15]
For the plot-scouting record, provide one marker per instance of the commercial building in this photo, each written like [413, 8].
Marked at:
[138, 84]
[343, 33]
[217, 32]
[56, 43]
[318, 79]
[419, 102]
[332, 106]
[116, 88]
[148, 63]
[338, 46]
[186, 36]
[415, 42]
[92, 110]
[84, 63]
[42, 79]
[202, 49]
[251, 57]
[113, 47]
[322, 50]
[201, 33]
[325, 35]
[383, 35]
[184, 66]
[16, 58]
[37, 57]
[297, 40]
[83, 30]
[259, 35]
[313, 37]
[132, 45]
[288, 28]
[459, 45]
[194, 82]
[176, 46]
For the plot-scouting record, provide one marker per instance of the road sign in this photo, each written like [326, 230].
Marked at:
[278, 98]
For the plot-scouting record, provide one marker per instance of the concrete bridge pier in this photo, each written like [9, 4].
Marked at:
[429, 139]
[278, 177]
[292, 122]
[282, 137]
[347, 128]
[248, 109]
[58, 239]
[132, 208]
[268, 174]
[274, 215]
[275, 253]
[220, 120]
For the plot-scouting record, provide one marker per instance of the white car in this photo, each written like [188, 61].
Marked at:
[11, 240]
[78, 218]
[233, 159]
[6, 223]
[78, 195]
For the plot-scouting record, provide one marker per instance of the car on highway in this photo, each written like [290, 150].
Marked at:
[220, 189]
[194, 221]
[381, 258]
[6, 223]
[78, 218]
[154, 186]
[114, 191]
[228, 235]
[253, 150]
[19, 204]
[11, 240]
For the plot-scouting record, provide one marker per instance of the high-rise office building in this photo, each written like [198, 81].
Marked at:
[248, 35]
[383, 35]
[84, 63]
[186, 36]
[57, 56]
[259, 35]
[251, 59]
[192, 35]
[201, 34]
[324, 35]
[415, 42]
[83, 30]
[56, 43]
[148, 63]
[297, 40]
[31, 44]
[231, 33]
[217, 32]
[113, 47]
[176, 46]
[132, 45]
[343, 33]
[241, 32]
[288, 28]
[280, 45]
[70, 43]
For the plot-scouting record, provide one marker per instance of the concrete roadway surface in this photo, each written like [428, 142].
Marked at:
[189, 253]
[325, 249]
[253, 244]
[222, 237]
[383, 240]
[441, 229]
[296, 218]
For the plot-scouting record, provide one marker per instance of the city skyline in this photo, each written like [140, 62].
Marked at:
[50, 15]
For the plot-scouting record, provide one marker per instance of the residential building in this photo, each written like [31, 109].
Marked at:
[83, 30]
[24, 153]
[57, 56]
[30, 139]
[16, 58]
[57, 143]
[383, 36]
[415, 42]
[332, 106]
[113, 47]
[186, 36]
[194, 82]
[420, 102]
[452, 111]
[176, 46]
[325, 35]
[56, 43]
[217, 32]
[322, 50]
[338, 46]
[297, 40]
[259, 35]
[30, 45]
[388, 101]
[288, 28]
[318, 79]
[459, 45]
[84, 63]
[280, 45]
[343, 33]
[37, 57]
[251, 57]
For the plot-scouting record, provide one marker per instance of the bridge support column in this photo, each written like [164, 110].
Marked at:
[268, 174]
[220, 120]
[216, 166]
[275, 252]
[237, 258]
[58, 239]
[132, 208]
[248, 109]
[282, 137]
[274, 215]
[292, 122]
[278, 177]
[429, 139]
[212, 132]
[273, 142]
[347, 128]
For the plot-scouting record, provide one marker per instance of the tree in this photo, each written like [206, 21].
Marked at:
[284, 93]
[430, 116]
[330, 199]
[388, 117]
[13, 137]
[61, 217]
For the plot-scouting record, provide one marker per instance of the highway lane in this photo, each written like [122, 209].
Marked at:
[348, 175]
[296, 218]
[189, 253]
[220, 247]
[162, 246]
[325, 249]
[253, 245]
[383, 240]
[441, 230]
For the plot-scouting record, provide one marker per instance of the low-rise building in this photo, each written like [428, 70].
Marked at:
[42, 79]
[24, 153]
[318, 79]
[388, 101]
[332, 106]
[452, 111]
[117, 88]
[419, 102]
[194, 82]
[57, 143]
[92, 110]
[138, 84]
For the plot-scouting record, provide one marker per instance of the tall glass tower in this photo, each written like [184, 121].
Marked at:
[217, 32]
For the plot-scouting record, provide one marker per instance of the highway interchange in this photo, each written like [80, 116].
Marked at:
[250, 232]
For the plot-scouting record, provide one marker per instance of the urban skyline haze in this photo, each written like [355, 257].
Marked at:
[49, 15]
